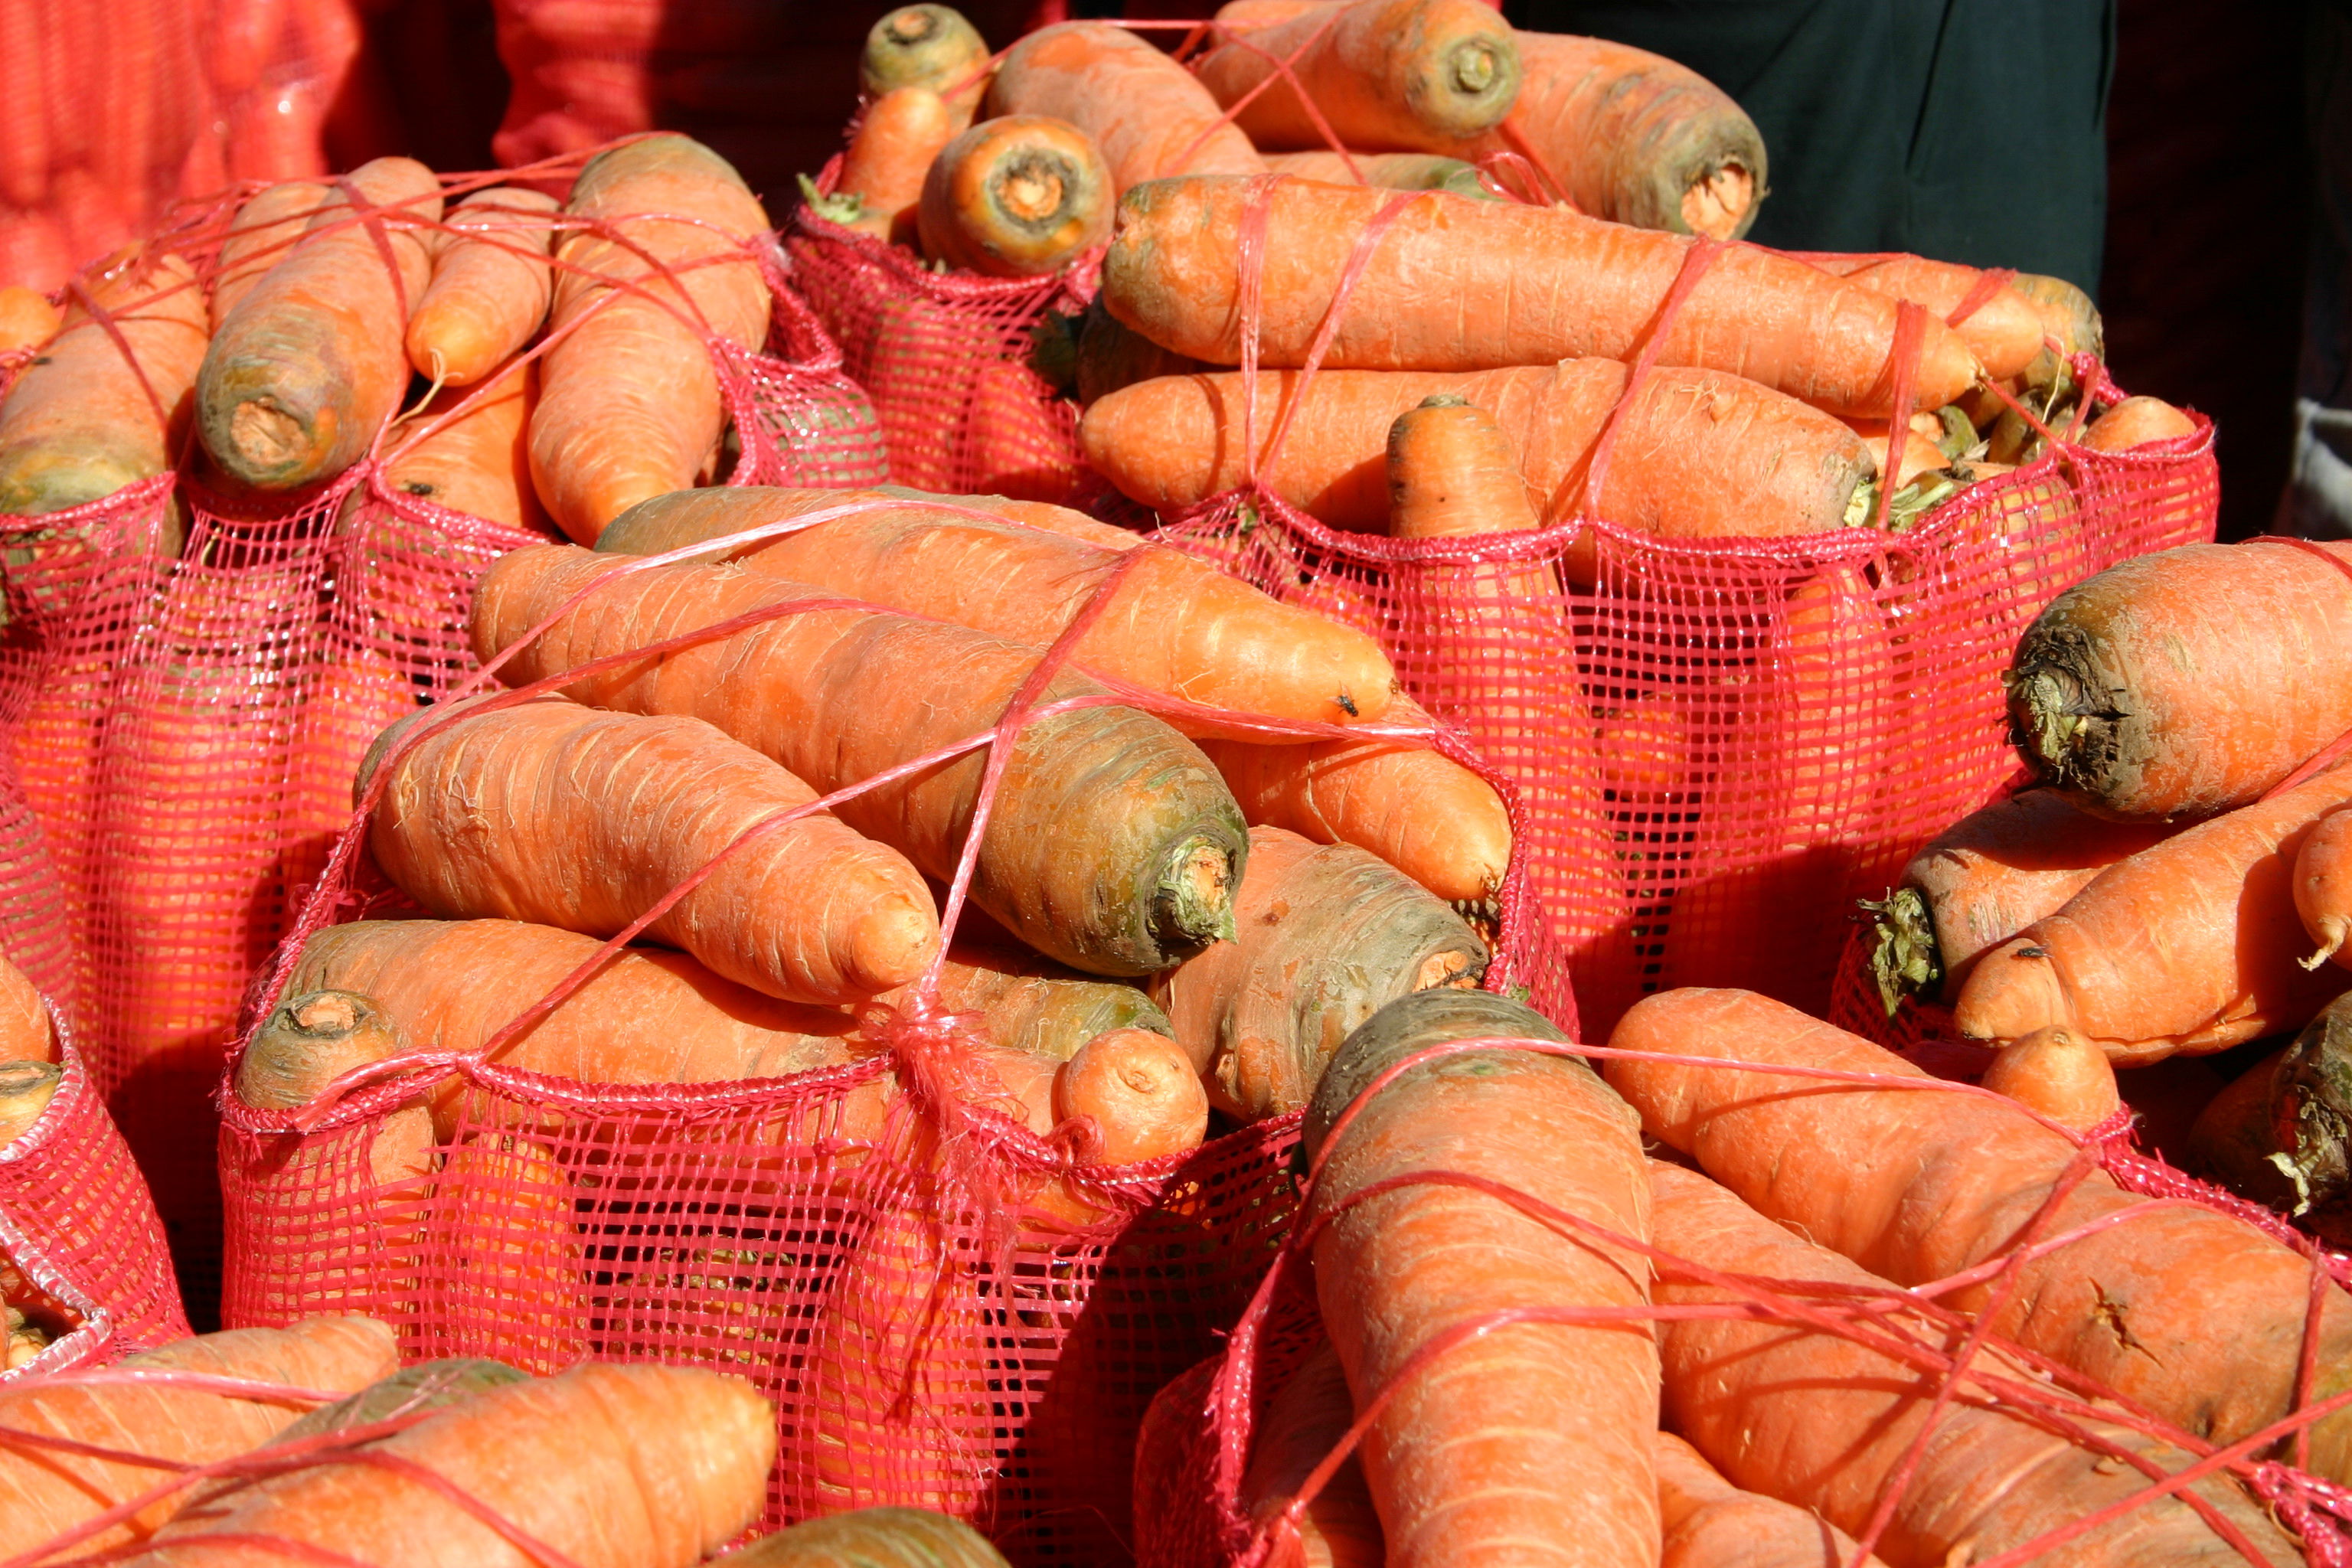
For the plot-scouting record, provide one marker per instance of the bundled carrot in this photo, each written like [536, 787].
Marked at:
[882, 173]
[312, 1039]
[1532, 1431]
[2136, 422]
[1827, 1422]
[264, 228]
[1390, 171]
[1710, 1522]
[1112, 846]
[1020, 195]
[502, 1232]
[562, 816]
[2002, 327]
[1174, 625]
[490, 283]
[27, 320]
[930, 46]
[1415, 76]
[1140, 1090]
[478, 463]
[2196, 1316]
[872, 1538]
[1304, 1422]
[308, 364]
[2323, 885]
[1034, 1005]
[629, 404]
[25, 1031]
[1432, 295]
[1149, 115]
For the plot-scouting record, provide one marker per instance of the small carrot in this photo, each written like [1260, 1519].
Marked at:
[264, 228]
[2323, 885]
[2003, 331]
[1710, 1523]
[1141, 1091]
[930, 46]
[2136, 422]
[1034, 1005]
[1303, 1425]
[489, 288]
[872, 1538]
[2060, 1074]
[1390, 171]
[1412, 76]
[27, 320]
[899, 137]
[478, 463]
[25, 1031]
[1017, 196]
[1149, 116]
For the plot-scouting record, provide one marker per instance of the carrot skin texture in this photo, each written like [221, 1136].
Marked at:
[479, 462]
[264, 228]
[26, 1088]
[489, 288]
[1386, 75]
[27, 320]
[2190, 1312]
[2135, 421]
[902, 134]
[1437, 293]
[2323, 885]
[1530, 1444]
[24, 1032]
[872, 1538]
[926, 45]
[2060, 1074]
[1390, 171]
[1033, 1004]
[1020, 195]
[1140, 1088]
[1710, 1523]
[307, 1041]
[1147, 114]
[2004, 332]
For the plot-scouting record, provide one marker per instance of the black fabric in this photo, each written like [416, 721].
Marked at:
[1969, 131]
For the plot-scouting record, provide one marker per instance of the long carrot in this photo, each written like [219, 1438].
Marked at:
[1432, 295]
[2193, 1314]
[562, 816]
[1390, 171]
[1985, 878]
[930, 46]
[86, 418]
[1304, 1422]
[2185, 682]
[2136, 422]
[2189, 945]
[2004, 330]
[1017, 196]
[614, 1467]
[629, 404]
[308, 365]
[1710, 1523]
[27, 320]
[1147, 114]
[1034, 1005]
[882, 172]
[507, 1276]
[1531, 1434]
[1112, 845]
[1141, 1089]
[873, 1538]
[1826, 1422]
[24, 1032]
[264, 228]
[489, 288]
[1174, 624]
[479, 462]
[46, 1492]
[427, 1385]
[1412, 76]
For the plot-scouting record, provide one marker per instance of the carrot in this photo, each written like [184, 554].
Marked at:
[1452, 472]
[629, 404]
[1017, 196]
[2192, 1314]
[2323, 885]
[1390, 171]
[2136, 422]
[2003, 331]
[1174, 624]
[562, 816]
[25, 1031]
[872, 1538]
[2060, 1074]
[1141, 1091]
[1415, 807]
[479, 462]
[507, 1276]
[2190, 945]
[264, 228]
[1710, 1523]
[1044, 515]
[2188, 681]
[308, 366]
[882, 173]
[1304, 1422]
[2249, 1139]
[1112, 845]
[1034, 1005]
[1430, 296]
[488, 292]
[26, 1089]
[1412, 76]
[1535, 1433]
[1985, 878]
[1020, 437]
[1826, 1421]
[85, 418]
[1149, 116]
[428, 1385]
[2069, 320]
[927, 47]
[614, 1467]
[1699, 454]
[27, 320]
[46, 1492]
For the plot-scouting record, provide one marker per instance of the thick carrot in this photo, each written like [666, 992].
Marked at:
[489, 288]
[24, 1032]
[1433, 293]
[479, 462]
[1141, 1091]
[2189, 945]
[1452, 471]
[1303, 1425]
[873, 1538]
[1985, 878]
[1413, 806]
[266, 227]
[926, 45]
[1530, 1442]
[2004, 331]
[1699, 454]
[45, 1491]
[1149, 115]
[27, 320]
[86, 418]
[2191, 1313]
[1390, 171]
[2323, 885]
[562, 816]
[27, 1087]
[1174, 624]
[1826, 1422]
[2277, 1134]
[1710, 1523]
[1017, 196]
[308, 366]
[508, 1278]
[614, 1467]
[427, 1385]
[2185, 682]
[2060, 1074]
[1112, 845]
[1050, 517]
[629, 404]
[2136, 422]
[1325, 937]
[1412, 76]
[1034, 1005]
[882, 173]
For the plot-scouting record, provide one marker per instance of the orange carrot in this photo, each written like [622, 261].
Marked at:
[1303, 1425]
[882, 173]
[1432, 295]
[562, 816]
[26, 1088]
[2062, 1076]
[2277, 1134]
[266, 227]
[2193, 1314]
[614, 1467]
[24, 1032]
[629, 403]
[1530, 1432]
[84, 419]
[1452, 471]
[873, 1538]
[1415, 76]
[2069, 320]
[2185, 682]
[926, 45]
[1390, 171]
[507, 1277]
[2136, 422]
[1140, 1088]
[1035, 1006]
[1020, 436]
[45, 1491]
[1710, 1523]
[2189, 945]
[1112, 845]
[2004, 332]
[2323, 885]
[489, 288]
[1050, 517]
[27, 320]
[1017, 196]
[1147, 114]
[479, 462]
[308, 366]
[425, 1386]
[1174, 624]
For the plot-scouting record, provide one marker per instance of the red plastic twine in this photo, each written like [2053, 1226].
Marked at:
[1990, 282]
[1696, 261]
[1903, 359]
